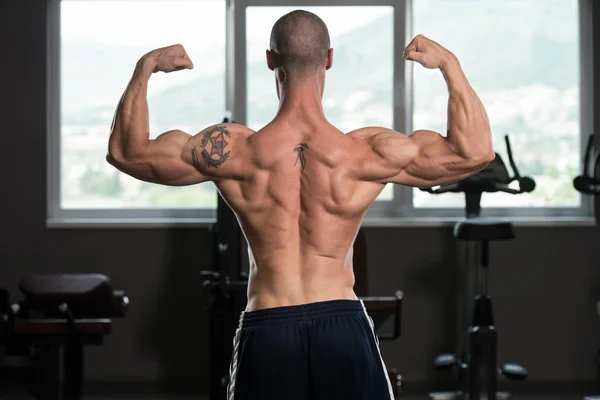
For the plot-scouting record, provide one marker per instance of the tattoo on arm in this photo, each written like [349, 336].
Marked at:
[300, 148]
[213, 144]
[195, 156]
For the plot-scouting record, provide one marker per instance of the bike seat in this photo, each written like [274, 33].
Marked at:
[478, 229]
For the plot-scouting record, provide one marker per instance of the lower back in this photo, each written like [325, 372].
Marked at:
[299, 258]
[286, 279]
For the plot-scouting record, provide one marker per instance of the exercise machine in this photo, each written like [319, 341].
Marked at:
[589, 183]
[49, 328]
[226, 286]
[476, 366]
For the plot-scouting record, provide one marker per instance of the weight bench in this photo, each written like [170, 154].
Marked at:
[59, 315]
[380, 309]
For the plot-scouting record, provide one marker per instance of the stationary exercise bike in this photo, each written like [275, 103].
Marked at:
[476, 366]
[589, 183]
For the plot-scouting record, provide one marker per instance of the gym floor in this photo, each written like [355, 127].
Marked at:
[423, 397]
[167, 397]
[175, 397]
[18, 395]
[405, 397]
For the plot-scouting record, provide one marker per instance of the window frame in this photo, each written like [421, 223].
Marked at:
[58, 216]
[399, 209]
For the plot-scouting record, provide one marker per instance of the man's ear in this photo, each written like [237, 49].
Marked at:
[329, 59]
[273, 60]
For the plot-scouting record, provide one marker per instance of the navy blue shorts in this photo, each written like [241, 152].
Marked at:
[319, 351]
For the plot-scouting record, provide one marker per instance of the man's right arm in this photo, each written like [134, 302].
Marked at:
[426, 158]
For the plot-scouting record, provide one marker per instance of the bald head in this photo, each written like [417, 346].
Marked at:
[301, 39]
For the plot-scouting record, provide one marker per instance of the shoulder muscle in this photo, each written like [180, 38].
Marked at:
[381, 152]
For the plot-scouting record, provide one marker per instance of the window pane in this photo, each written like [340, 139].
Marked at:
[522, 58]
[99, 49]
[358, 89]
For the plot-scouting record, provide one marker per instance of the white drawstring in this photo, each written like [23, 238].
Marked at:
[234, 360]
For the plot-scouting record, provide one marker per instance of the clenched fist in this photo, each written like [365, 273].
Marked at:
[427, 52]
[169, 59]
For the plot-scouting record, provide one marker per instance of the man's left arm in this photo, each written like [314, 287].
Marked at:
[174, 158]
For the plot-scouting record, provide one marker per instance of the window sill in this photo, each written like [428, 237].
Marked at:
[532, 222]
[160, 223]
[128, 223]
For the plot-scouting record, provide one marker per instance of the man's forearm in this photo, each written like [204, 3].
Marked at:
[130, 129]
[468, 124]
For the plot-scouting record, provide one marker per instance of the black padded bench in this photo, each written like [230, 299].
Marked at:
[59, 315]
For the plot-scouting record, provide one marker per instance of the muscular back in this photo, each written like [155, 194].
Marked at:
[300, 207]
[300, 190]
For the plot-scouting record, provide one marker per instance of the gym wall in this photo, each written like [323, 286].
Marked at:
[544, 284]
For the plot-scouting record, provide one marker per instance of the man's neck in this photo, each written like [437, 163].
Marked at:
[301, 100]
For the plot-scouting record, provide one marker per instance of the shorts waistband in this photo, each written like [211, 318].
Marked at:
[303, 312]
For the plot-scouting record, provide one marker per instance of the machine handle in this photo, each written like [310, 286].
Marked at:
[441, 189]
[511, 160]
[587, 183]
[589, 150]
[526, 184]
[503, 187]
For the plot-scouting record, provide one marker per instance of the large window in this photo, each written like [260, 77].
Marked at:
[523, 59]
[99, 49]
[529, 60]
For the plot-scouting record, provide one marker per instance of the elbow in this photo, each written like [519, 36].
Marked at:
[488, 156]
[487, 152]
[111, 159]
[114, 156]
[481, 160]
[131, 164]
[114, 150]
[482, 157]
[124, 152]
[479, 154]
[477, 159]
[118, 154]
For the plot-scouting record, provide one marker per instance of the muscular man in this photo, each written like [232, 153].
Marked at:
[300, 189]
